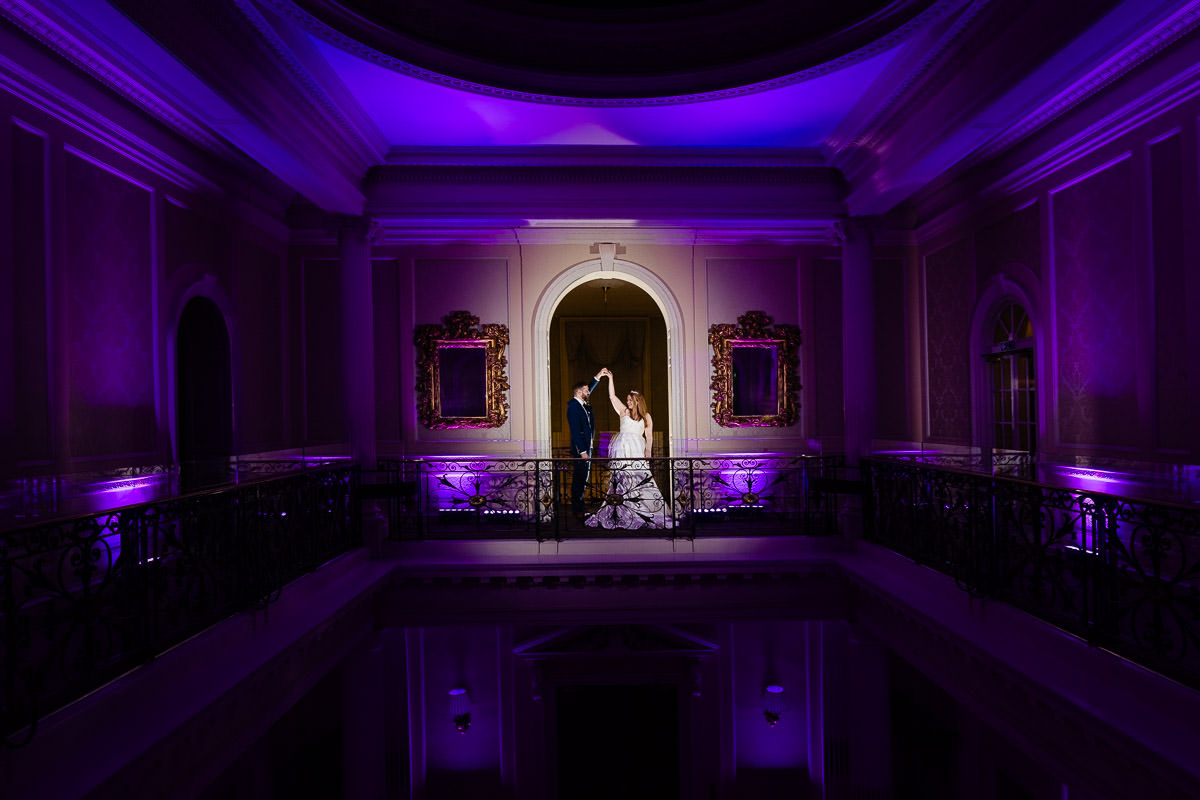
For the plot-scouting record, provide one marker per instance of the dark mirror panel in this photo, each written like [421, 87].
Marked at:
[461, 377]
[462, 381]
[754, 372]
[755, 379]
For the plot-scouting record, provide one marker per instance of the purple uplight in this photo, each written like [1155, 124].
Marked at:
[774, 703]
[460, 707]
[1095, 479]
[122, 492]
[413, 112]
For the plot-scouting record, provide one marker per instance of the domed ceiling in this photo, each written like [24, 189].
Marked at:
[620, 50]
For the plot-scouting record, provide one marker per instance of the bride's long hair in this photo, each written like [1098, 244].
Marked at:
[639, 409]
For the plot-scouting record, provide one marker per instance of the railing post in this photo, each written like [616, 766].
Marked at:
[537, 500]
[692, 512]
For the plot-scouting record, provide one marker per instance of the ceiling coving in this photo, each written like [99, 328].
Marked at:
[621, 49]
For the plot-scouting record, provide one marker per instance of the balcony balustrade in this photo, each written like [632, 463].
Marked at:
[86, 597]
[528, 498]
[1118, 572]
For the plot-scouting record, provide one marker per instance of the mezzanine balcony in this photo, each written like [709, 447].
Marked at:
[90, 593]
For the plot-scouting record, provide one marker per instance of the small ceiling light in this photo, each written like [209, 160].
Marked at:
[774, 703]
[460, 707]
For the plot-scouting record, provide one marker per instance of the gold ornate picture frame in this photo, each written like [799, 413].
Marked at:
[461, 378]
[754, 380]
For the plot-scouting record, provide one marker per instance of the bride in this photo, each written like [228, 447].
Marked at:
[634, 500]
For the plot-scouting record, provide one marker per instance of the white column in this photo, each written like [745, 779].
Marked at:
[358, 339]
[858, 338]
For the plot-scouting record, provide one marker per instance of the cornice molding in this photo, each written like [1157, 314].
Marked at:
[1165, 97]
[886, 116]
[50, 32]
[519, 232]
[27, 86]
[1096, 80]
[368, 147]
[620, 174]
[288, 8]
[605, 155]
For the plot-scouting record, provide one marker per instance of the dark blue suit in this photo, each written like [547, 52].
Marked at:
[583, 427]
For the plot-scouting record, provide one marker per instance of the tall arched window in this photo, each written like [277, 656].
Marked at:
[1013, 383]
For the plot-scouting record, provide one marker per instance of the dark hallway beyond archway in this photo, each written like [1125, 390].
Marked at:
[613, 323]
[204, 395]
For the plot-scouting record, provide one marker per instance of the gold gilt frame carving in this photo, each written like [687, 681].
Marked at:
[461, 331]
[754, 330]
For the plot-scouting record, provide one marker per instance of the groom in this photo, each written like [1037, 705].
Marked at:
[582, 426]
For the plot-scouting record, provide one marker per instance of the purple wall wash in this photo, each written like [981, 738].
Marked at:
[1095, 317]
[443, 285]
[825, 346]
[31, 396]
[323, 391]
[418, 112]
[258, 335]
[737, 285]
[949, 301]
[1015, 238]
[770, 653]
[891, 406]
[1175, 427]
[192, 238]
[464, 657]
[110, 324]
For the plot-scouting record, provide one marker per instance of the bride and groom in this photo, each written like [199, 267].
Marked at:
[633, 500]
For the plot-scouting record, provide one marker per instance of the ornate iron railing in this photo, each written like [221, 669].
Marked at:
[1011, 464]
[529, 497]
[87, 597]
[1120, 573]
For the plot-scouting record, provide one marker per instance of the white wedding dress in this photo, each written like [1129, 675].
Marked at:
[633, 499]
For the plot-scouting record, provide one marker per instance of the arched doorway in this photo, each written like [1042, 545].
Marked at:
[203, 395]
[545, 413]
[1012, 383]
[609, 322]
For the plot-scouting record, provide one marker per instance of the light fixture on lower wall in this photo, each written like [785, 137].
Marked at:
[774, 703]
[460, 707]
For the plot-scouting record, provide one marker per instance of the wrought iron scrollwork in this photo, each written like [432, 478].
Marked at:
[1119, 572]
[83, 599]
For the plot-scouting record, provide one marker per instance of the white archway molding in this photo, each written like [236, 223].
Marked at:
[543, 313]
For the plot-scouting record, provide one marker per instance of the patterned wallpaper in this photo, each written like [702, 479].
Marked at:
[31, 403]
[385, 291]
[258, 337]
[1095, 320]
[891, 353]
[1015, 238]
[824, 344]
[110, 313]
[949, 301]
[323, 391]
[192, 238]
[1173, 366]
